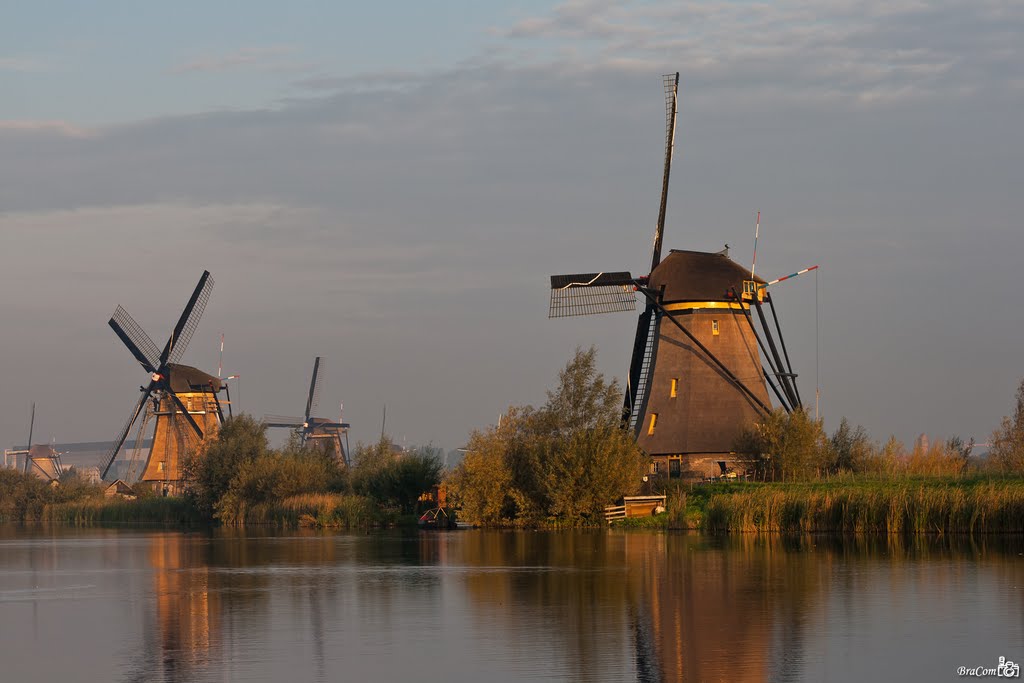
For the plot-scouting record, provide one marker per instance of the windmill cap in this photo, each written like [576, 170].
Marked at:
[185, 379]
[699, 276]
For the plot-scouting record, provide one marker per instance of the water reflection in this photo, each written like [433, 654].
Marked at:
[230, 605]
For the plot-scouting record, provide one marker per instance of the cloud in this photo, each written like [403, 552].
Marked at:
[872, 53]
[61, 128]
[22, 64]
[268, 58]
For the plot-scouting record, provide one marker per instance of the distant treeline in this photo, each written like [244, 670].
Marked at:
[237, 479]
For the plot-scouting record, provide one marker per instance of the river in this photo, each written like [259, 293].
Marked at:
[225, 605]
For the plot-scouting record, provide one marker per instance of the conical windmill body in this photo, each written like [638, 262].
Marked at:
[696, 378]
[314, 431]
[182, 399]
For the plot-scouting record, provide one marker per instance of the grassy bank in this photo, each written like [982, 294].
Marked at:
[871, 506]
[321, 510]
[153, 510]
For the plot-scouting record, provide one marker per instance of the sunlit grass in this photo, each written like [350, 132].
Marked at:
[154, 510]
[323, 510]
[940, 506]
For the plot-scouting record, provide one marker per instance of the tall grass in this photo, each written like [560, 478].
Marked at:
[941, 506]
[324, 510]
[154, 510]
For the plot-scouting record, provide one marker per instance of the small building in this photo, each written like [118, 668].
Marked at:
[119, 489]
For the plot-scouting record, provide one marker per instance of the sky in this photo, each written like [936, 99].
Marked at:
[390, 185]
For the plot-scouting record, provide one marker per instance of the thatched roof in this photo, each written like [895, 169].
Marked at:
[699, 276]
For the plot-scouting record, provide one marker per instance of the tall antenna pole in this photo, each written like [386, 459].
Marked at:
[757, 229]
[671, 83]
[383, 421]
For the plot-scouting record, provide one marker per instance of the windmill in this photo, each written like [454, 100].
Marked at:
[695, 376]
[41, 460]
[181, 399]
[314, 430]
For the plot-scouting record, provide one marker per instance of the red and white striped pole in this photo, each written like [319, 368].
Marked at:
[791, 275]
[757, 229]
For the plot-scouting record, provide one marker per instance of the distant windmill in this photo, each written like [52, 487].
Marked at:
[181, 398]
[695, 378]
[312, 429]
[41, 460]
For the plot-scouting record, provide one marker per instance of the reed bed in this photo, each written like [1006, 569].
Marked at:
[321, 510]
[154, 510]
[879, 507]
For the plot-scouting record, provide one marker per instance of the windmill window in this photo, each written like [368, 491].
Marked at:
[675, 388]
[655, 467]
[714, 327]
[654, 421]
[160, 466]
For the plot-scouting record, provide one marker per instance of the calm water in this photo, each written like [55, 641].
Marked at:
[114, 605]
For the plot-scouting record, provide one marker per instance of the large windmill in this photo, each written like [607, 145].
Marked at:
[314, 430]
[695, 378]
[182, 399]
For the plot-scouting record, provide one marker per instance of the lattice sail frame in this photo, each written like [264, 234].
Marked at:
[591, 293]
[192, 322]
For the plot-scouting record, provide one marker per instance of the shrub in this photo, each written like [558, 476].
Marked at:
[560, 464]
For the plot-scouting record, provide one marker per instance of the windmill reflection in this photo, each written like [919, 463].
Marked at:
[186, 625]
[683, 608]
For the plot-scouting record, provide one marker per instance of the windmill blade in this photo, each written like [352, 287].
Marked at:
[119, 441]
[191, 421]
[28, 448]
[314, 389]
[136, 339]
[641, 368]
[591, 293]
[189, 320]
[671, 85]
[282, 421]
[334, 425]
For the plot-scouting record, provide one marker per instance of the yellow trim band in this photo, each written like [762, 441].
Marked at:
[691, 305]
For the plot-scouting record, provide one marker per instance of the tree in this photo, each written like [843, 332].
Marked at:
[412, 475]
[1007, 450]
[851, 448]
[395, 478]
[215, 463]
[481, 485]
[568, 459]
[785, 446]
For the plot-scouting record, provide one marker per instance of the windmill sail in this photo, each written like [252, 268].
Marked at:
[671, 83]
[641, 367]
[314, 390]
[189, 320]
[591, 293]
[135, 338]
